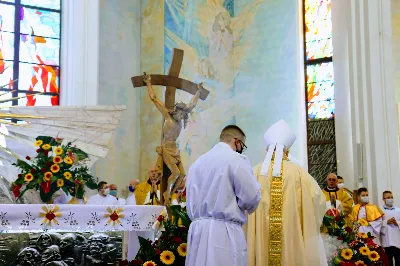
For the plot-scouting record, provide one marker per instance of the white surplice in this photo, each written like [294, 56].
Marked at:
[220, 189]
[374, 227]
[102, 200]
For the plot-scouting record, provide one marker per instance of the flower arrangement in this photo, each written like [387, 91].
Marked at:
[55, 167]
[170, 248]
[355, 248]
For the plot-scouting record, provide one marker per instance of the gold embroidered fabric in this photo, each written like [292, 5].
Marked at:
[275, 220]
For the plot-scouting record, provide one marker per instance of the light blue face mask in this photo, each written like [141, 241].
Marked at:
[113, 192]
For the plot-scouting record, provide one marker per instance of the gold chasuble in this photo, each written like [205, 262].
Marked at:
[284, 230]
[345, 200]
[342, 196]
[141, 192]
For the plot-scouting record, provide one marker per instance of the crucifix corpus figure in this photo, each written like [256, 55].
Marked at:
[171, 129]
[169, 160]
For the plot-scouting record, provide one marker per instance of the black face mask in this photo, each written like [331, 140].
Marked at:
[131, 189]
[239, 151]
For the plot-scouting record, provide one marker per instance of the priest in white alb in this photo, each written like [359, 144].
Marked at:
[285, 228]
[220, 189]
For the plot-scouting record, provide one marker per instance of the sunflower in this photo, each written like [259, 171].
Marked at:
[182, 250]
[55, 168]
[167, 257]
[28, 177]
[60, 182]
[373, 256]
[365, 251]
[67, 175]
[48, 176]
[149, 263]
[57, 159]
[346, 253]
[38, 143]
[360, 263]
[362, 235]
[58, 151]
[68, 160]
[46, 147]
[363, 222]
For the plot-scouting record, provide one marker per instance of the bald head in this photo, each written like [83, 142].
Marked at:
[154, 175]
[113, 187]
[134, 182]
[332, 180]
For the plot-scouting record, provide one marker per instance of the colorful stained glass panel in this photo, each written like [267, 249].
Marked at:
[321, 91]
[6, 46]
[7, 15]
[321, 110]
[6, 73]
[319, 72]
[319, 30]
[34, 49]
[42, 23]
[38, 77]
[317, 10]
[37, 100]
[53, 4]
[319, 49]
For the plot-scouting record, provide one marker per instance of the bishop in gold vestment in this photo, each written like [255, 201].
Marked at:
[284, 230]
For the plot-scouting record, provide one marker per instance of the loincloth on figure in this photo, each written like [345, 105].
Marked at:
[168, 151]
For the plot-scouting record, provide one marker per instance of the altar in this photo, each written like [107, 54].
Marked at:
[69, 234]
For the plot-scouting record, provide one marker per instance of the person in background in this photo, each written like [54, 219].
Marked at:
[337, 198]
[148, 192]
[102, 197]
[131, 199]
[131, 242]
[179, 197]
[390, 232]
[114, 193]
[341, 185]
[369, 215]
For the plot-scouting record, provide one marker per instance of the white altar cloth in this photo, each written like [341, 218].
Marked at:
[71, 217]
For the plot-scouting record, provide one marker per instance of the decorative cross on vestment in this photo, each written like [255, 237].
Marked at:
[172, 82]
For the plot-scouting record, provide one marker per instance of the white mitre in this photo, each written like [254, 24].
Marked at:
[276, 138]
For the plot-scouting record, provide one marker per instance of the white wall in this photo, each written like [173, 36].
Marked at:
[366, 119]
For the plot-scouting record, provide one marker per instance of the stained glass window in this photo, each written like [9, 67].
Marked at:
[318, 58]
[30, 33]
[320, 90]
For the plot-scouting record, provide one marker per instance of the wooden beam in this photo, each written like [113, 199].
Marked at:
[174, 70]
[165, 80]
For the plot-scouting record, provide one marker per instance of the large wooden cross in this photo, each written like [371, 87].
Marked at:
[172, 82]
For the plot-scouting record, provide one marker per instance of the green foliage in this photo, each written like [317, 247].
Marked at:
[174, 234]
[46, 174]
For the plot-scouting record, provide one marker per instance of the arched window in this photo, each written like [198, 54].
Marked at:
[30, 39]
[320, 90]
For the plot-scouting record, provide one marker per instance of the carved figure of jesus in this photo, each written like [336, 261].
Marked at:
[172, 127]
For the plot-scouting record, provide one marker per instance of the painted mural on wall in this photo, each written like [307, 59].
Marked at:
[236, 49]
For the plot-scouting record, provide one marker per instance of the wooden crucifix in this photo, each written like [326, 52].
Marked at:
[169, 161]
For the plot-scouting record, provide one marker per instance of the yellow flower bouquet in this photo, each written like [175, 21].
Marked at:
[56, 166]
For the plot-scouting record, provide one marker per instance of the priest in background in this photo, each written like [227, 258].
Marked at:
[337, 198]
[285, 228]
[103, 196]
[369, 215]
[114, 193]
[148, 192]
